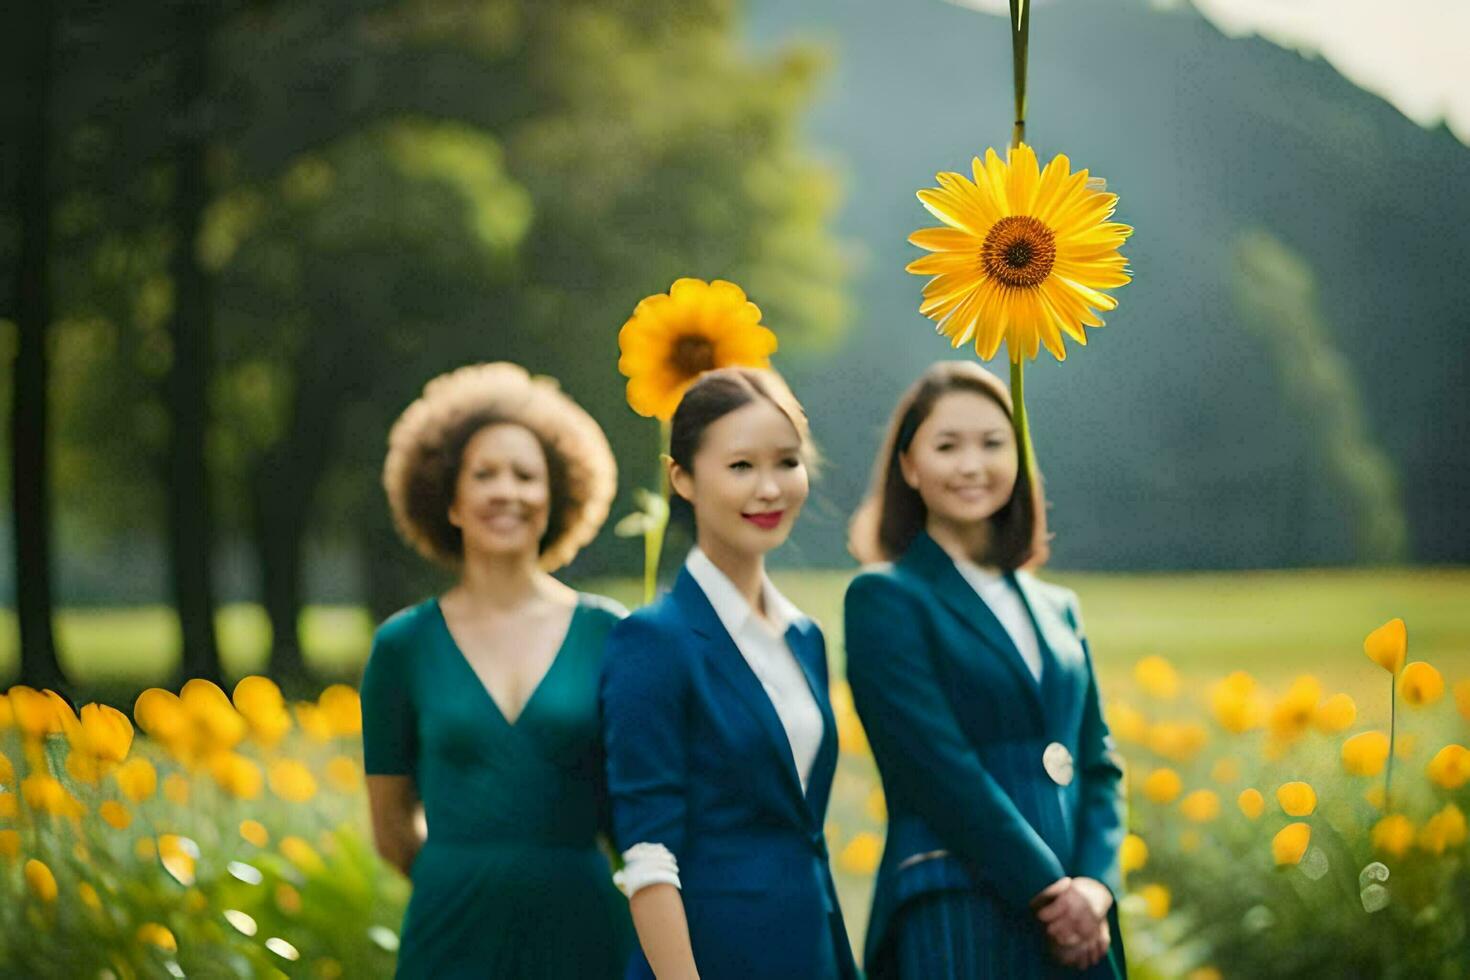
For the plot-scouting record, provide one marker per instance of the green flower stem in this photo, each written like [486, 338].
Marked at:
[653, 534]
[1025, 454]
[1020, 35]
[1393, 712]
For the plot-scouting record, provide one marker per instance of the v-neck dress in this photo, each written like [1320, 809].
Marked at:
[510, 882]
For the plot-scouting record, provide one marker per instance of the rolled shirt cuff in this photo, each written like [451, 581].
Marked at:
[646, 864]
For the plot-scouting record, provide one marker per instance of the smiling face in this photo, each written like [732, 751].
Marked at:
[962, 460]
[502, 498]
[748, 480]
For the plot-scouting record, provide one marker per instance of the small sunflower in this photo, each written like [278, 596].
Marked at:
[672, 338]
[1023, 256]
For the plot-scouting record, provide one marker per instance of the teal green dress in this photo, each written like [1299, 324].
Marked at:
[510, 882]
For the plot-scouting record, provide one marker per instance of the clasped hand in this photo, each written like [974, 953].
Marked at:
[1074, 912]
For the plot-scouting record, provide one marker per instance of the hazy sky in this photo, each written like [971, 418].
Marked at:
[1413, 53]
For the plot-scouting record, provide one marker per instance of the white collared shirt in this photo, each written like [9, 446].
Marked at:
[993, 589]
[762, 643]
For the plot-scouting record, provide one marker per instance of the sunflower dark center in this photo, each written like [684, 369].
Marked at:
[1019, 251]
[692, 354]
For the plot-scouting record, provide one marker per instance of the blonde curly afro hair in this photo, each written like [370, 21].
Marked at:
[426, 447]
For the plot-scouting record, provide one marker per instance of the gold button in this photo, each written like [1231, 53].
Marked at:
[1057, 762]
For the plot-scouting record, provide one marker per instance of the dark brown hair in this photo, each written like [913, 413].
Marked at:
[893, 514]
[718, 393]
[426, 450]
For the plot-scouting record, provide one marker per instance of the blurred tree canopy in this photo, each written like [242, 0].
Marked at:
[396, 188]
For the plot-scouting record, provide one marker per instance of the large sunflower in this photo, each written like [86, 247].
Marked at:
[672, 338]
[1023, 256]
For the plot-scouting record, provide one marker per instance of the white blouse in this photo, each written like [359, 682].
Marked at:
[993, 589]
[763, 645]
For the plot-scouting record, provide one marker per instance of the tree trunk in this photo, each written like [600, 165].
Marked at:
[186, 388]
[30, 470]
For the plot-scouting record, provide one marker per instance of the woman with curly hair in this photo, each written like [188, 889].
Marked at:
[482, 704]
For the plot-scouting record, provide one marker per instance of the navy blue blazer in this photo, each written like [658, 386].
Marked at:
[959, 727]
[697, 760]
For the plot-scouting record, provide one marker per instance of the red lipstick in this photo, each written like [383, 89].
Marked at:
[767, 520]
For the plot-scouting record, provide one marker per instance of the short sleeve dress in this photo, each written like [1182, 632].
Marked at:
[510, 882]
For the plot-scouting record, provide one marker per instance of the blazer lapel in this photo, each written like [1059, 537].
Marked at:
[726, 660]
[807, 646]
[931, 562]
[1061, 653]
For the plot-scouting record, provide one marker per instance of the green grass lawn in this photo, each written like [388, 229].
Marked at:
[1270, 623]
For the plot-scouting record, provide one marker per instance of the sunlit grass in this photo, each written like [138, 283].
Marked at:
[1270, 623]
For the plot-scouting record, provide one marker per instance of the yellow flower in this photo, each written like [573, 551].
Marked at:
[1177, 741]
[288, 899]
[137, 779]
[1421, 684]
[89, 896]
[1023, 257]
[672, 338]
[176, 789]
[1201, 806]
[1450, 767]
[1162, 785]
[1225, 770]
[1374, 796]
[343, 709]
[7, 713]
[1133, 855]
[259, 702]
[1365, 753]
[104, 732]
[1296, 709]
[314, 722]
[1155, 900]
[153, 934]
[1336, 714]
[7, 770]
[1444, 830]
[254, 832]
[1290, 843]
[1251, 802]
[215, 718]
[8, 806]
[1157, 677]
[1393, 834]
[236, 775]
[1204, 973]
[1236, 705]
[178, 855]
[35, 712]
[342, 772]
[292, 781]
[1297, 799]
[1126, 722]
[860, 856]
[9, 844]
[1462, 698]
[44, 793]
[162, 715]
[1387, 645]
[851, 739]
[115, 814]
[144, 849]
[40, 880]
[302, 854]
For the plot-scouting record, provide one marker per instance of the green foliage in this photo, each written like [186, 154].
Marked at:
[1276, 293]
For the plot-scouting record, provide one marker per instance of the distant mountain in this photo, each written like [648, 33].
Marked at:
[1167, 443]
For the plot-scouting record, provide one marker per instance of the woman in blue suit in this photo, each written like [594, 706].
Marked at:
[976, 689]
[721, 744]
